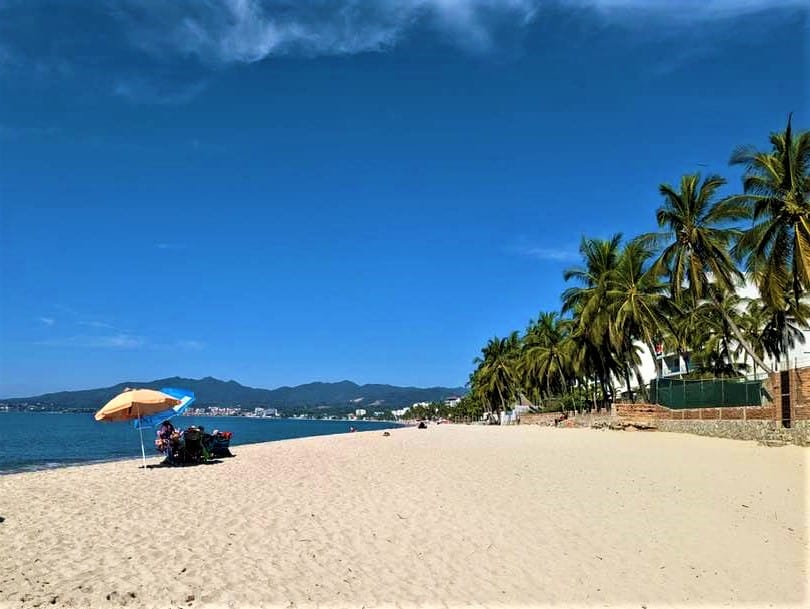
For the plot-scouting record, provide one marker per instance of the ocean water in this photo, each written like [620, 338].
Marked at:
[39, 440]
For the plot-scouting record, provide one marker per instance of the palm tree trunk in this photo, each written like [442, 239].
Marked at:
[738, 335]
[658, 363]
[627, 382]
[642, 388]
[604, 389]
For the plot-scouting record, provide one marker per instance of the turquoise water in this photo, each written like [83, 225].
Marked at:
[39, 440]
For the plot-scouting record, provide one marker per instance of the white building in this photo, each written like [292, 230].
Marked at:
[360, 412]
[452, 401]
[674, 364]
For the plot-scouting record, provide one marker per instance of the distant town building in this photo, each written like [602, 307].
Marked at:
[452, 401]
[360, 412]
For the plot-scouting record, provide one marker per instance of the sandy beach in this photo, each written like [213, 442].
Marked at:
[451, 516]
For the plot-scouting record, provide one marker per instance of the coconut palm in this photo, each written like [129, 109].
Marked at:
[783, 327]
[635, 299]
[685, 323]
[696, 244]
[776, 189]
[495, 379]
[545, 359]
[592, 348]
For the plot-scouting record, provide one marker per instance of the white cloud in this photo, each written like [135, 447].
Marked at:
[164, 52]
[246, 31]
[170, 246]
[685, 10]
[48, 321]
[550, 253]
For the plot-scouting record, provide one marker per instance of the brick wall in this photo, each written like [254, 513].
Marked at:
[642, 411]
[799, 394]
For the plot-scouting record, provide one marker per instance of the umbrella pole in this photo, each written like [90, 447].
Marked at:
[140, 431]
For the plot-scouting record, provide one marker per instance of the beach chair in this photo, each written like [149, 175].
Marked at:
[193, 451]
[218, 444]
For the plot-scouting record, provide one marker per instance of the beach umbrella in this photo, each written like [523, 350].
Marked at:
[186, 398]
[134, 404]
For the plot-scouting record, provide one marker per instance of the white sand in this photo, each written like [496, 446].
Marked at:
[449, 516]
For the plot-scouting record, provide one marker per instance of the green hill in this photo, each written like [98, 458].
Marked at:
[214, 392]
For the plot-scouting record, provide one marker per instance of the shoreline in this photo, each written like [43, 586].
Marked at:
[454, 515]
[56, 461]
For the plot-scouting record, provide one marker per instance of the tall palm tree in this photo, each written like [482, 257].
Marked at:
[592, 359]
[592, 348]
[697, 242]
[635, 298]
[545, 358]
[783, 327]
[684, 326]
[495, 379]
[600, 257]
[612, 309]
[776, 189]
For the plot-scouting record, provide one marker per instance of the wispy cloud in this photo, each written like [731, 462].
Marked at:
[245, 31]
[121, 341]
[48, 321]
[170, 246]
[166, 52]
[550, 253]
[190, 345]
[684, 11]
[97, 324]
[109, 341]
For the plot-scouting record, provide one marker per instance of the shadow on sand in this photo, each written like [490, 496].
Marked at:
[163, 464]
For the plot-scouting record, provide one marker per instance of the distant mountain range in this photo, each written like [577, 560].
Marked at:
[214, 392]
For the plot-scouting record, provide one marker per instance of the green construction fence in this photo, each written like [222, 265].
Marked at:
[680, 393]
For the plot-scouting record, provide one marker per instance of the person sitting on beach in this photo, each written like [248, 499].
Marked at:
[165, 433]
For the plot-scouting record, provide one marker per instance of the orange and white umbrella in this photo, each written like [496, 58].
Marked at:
[133, 404]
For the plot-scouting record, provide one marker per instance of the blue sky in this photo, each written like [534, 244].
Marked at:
[279, 192]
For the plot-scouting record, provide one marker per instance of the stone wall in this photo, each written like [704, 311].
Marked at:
[739, 430]
[539, 418]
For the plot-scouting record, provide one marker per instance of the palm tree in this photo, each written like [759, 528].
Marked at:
[636, 301]
[783, 327]
[495, 379]
[776, 190]
[600, 257]
[716, 351]
[545, 359]
[684, 326]
[592, 348]
[697, 243]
